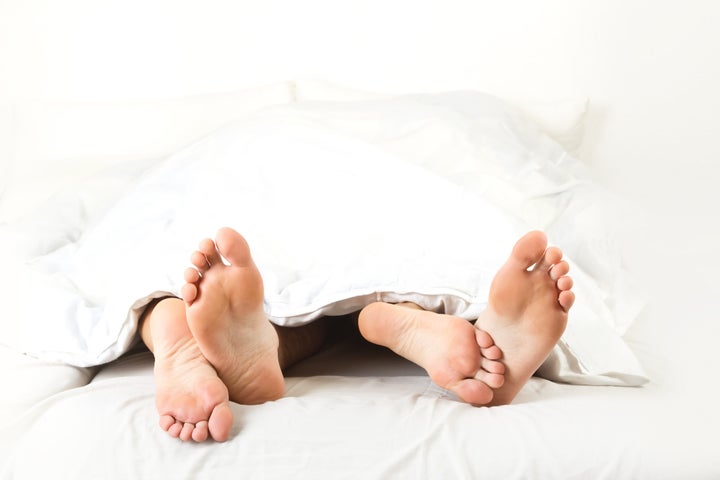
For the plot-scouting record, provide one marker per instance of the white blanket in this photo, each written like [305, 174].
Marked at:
[334, 222]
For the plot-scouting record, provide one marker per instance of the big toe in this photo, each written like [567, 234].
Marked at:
[473, 391]
[529, 249]
[233, 246]
[220, 423]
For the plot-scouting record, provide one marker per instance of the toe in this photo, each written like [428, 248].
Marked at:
[200, 261]
[191, 275]
[492, 380]
[473, 391]
[566, 299]
[492, 366]
[492, 353]
[220, 422]
[207, 248]
[552, 256]
[529, 249]
[175, 429]
[189, 292]
[233, 246]
[559, 269]
[186, 432]
[564, 283]
[484, 340]
[166, 421]
[200, 434]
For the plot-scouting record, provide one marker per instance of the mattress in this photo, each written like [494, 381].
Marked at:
[355, 410]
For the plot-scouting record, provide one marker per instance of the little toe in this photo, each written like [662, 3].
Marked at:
[559, 269]
[564, 283]
[166, 421]
[566, 299]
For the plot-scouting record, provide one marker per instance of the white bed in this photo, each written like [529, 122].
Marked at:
[355, 410]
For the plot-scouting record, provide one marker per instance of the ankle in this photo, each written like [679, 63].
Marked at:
[154, 320]
[299, 343]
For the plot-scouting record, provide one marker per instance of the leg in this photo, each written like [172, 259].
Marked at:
[191, 400]
[525, 317]
[298, 343]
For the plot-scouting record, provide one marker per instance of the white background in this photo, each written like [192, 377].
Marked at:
[650, 68]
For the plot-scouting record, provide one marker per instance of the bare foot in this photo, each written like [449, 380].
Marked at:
[191, 399]
[226, 316]
[527, 310]
[456, 355]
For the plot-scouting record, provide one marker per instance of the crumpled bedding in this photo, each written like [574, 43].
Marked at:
[336, 217]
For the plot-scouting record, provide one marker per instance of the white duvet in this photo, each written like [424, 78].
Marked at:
[417, 198]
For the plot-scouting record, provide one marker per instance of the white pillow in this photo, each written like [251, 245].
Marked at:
[563, 119]
[63, 141]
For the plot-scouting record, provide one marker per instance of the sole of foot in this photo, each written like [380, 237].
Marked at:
[527, 311]
[224, 307]
[457, 357]
[192, 401]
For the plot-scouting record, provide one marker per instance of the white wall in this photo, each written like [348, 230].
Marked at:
[90, 49]
[650, 68]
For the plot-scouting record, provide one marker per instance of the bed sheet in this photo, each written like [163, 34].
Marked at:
[29, 381]
[358, 411]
